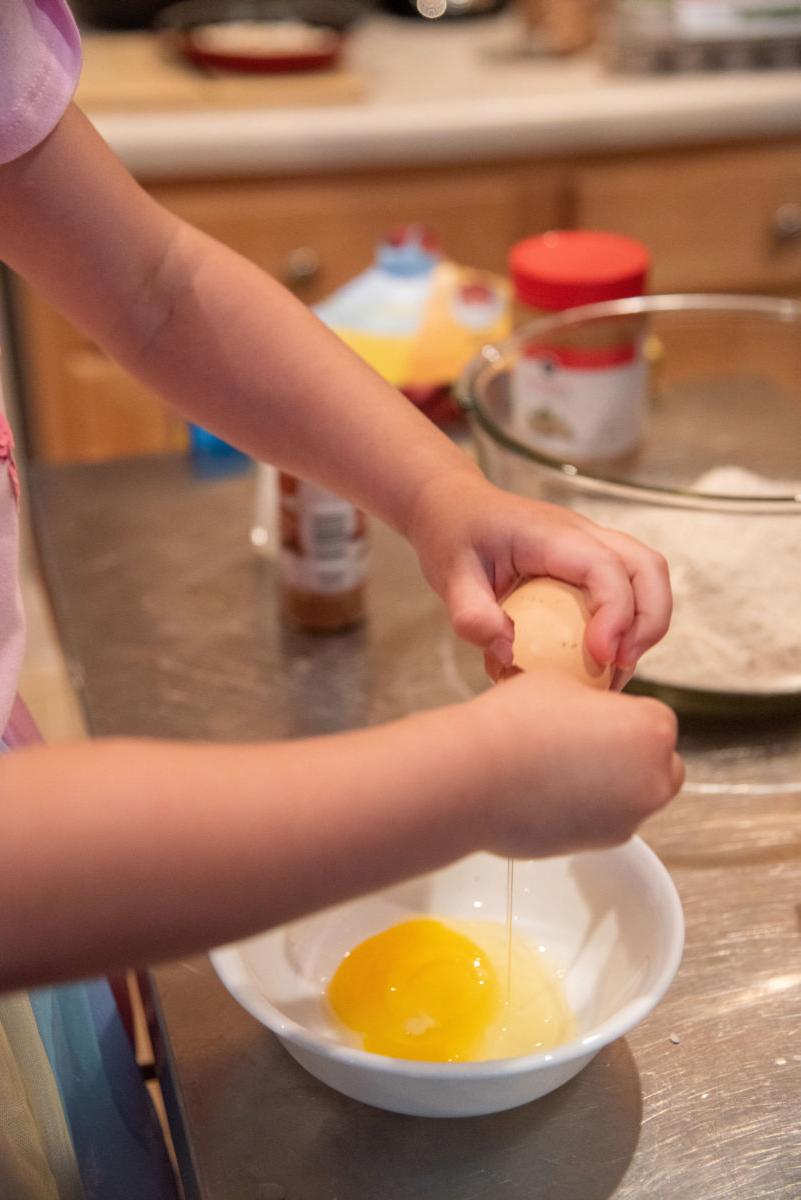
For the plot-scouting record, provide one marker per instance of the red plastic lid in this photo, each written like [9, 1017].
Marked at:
[565, 268]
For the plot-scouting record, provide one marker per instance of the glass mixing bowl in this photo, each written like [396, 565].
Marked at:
[714, 483]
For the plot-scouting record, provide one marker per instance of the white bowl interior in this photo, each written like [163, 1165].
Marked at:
[610, 920]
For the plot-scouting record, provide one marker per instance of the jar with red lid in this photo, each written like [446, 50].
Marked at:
[579, 394]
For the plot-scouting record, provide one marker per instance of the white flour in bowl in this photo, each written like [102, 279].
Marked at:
[736, 580]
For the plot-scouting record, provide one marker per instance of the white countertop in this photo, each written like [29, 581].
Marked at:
[452, 92]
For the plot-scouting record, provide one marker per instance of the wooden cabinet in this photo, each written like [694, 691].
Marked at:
[715, 219]
[79, 405]
[721, 220]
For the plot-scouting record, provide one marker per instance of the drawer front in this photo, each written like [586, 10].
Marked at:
[720, 220]
[112, 415]
[80, 406]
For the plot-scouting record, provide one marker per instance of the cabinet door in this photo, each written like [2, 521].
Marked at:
[715, 220]
[315, 234]
[79, 405]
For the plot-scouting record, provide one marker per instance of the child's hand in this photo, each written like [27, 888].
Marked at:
[475, 541]
[569, 767]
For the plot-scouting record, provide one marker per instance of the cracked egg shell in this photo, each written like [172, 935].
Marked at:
[550, 619]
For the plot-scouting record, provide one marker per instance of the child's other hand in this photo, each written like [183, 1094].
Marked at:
[568, 767]
[475, 541]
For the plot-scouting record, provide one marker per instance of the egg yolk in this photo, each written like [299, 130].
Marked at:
[417, 990]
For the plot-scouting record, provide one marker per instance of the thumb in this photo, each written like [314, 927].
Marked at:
[475, 613]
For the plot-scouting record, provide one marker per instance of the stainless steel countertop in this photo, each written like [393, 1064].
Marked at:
[170, 626]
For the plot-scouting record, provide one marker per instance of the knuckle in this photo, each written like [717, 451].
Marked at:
[620, 832]
[468, 622]
[661, 723]
[660, 564]
[661, 790]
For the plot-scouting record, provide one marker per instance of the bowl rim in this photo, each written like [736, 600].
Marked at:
[227, 963]
[487, 363]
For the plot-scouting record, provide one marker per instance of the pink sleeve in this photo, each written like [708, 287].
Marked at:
[40, 61]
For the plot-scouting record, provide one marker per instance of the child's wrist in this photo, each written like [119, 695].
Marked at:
[462, 760]
[485, 769]
[434, 493]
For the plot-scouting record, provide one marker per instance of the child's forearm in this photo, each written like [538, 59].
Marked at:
[230, 347]
[119, 853]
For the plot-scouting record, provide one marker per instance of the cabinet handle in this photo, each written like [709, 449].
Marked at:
[301, 267]
[786, 224]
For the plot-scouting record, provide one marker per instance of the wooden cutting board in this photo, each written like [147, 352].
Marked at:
[140, 72]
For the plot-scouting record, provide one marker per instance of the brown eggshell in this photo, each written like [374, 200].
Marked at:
[550, 618]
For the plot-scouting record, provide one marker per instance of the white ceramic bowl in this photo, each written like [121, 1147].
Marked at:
[611, 920]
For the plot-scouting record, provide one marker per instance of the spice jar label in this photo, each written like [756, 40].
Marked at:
[323, 540]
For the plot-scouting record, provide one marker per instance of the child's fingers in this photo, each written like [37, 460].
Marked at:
[582, 559]
[620, 678]
[496, 670]
[653, 601]
[474, 611]
[627, 586]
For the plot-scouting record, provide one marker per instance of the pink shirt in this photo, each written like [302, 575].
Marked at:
[40, 61]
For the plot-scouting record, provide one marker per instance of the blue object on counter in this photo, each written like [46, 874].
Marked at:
[211, 456]
[203, 442]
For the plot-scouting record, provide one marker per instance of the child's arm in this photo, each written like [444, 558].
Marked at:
[121, 853]
[116, 854]
[235, 352]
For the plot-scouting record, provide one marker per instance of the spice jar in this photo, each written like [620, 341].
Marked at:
[322, 557]
[579, 395]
